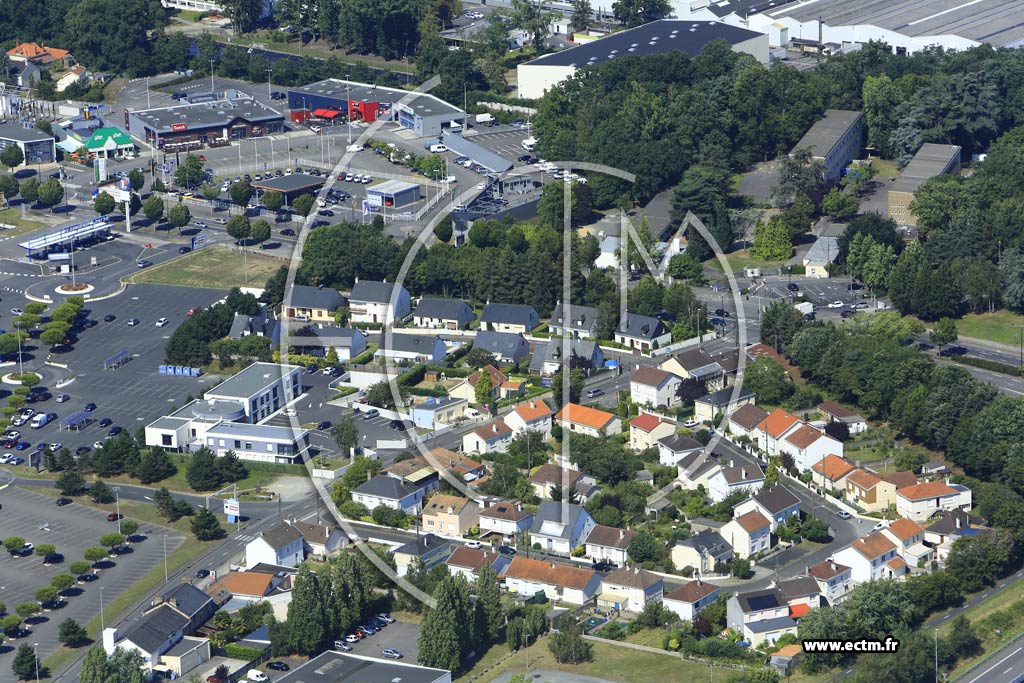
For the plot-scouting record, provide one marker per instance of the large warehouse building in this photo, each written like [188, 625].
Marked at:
[426, 115]
[205, 122]
[907, 26]
[657, 37]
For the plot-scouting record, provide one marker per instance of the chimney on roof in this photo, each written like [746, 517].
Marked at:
[554, 566]
[699, 582]
[743, 474]
[807, 569]
[622, 534]
[533, 405]
[957, 518]
[494, 427]
[369, 475]
[834, 567]
[636, 570]
[519, 507]
[357, 279]
[732, 463]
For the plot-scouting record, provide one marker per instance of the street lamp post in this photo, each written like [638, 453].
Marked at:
[35, 656]
[269, 72]
[117, 500]
[165, 558]
[102, 622]
[211, 76]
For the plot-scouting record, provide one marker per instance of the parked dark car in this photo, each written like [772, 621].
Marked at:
[109, 318]
[89, 407]
[82, 450]
[106, 422]
[721, 313]
[184, 250]
[324, 426]
[61, 502]
[115, 430]
[279, 666]
[506, 550]
[952, 351]
[288, 232]
[793, 287]
[202, 573]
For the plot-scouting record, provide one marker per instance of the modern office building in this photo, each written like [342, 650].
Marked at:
[36, 146]
[261, 389]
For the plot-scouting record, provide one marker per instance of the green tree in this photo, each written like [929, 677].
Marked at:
[779, 324]
[153, 208]
[768, 380]
[771, 240]
[94, 666]
[9, 186]
[261, 233]
[799, 174]
[567, 644]
[205, 526]
[71, 634]
[155, 464]
[273, 200]
[645, 548]
[839, 205]
[447, 633]
[12, 157]
[239, 228]
[231, 468]
[241, 193]
[303, 204]
[201, 473]
[190, 172]
[79, 567]
[179, 216]
[944, 332]
[100, 492]
[95, 554]
[484, 386]
[51, 193]
[137, 179]
[379, 395]
[54, 333]
[62, 582]
[45, 595]
[112, 540]
[489, 614]
[684, 267]
[582, 15]
[740, 568]
[70, 483]
[30, 190]
[346, 434]
[128, 528]
[44, 549]
[25, 664]
[104, 204]
[26, 609]
[307, 622]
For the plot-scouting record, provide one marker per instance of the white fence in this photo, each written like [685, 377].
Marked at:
[685, 344]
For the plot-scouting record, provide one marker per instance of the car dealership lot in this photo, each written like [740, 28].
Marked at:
[72, 528]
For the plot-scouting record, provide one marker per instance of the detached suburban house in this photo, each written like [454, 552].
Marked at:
[389, 492]
[316, 340]
[469, 561]
[534, 415]
[744, 421]
[444, 314]
[313, 304]
[642, 333]
[646, 429]
[701, 551]
[908, 536]
[506, 347]
[580, 323]
[550, 475]
[830, 473]
[450, 515]
[370, 302]
[697, 365]
[438, 412]
[807, 445]
[674, 448]
[689, 599]
[281, 544]
[429, 549]
[725, 481]
[507, 519]
[549, 358]
[760, 616]
[630, 590]
[921, 501]
[948, 526]
[560, 533]
[872, 557]
[778, 504]
[834, 580]
[721, 402]
[560, 583]
[834, 412]
[748, 534]
[511, 318]
[414, 348]
[774, 428]
[321, 540]
[466, 389]
[609, 544]
[493, 437]
[588, 421]
[651, 387]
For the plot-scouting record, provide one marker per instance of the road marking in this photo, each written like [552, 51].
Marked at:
[1000, 662]
[1002, 585]
[947, 616]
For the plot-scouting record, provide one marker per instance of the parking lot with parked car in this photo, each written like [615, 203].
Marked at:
[72, 528]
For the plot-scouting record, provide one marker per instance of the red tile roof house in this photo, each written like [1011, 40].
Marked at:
[908, 536]
[588, 421]
[774, 428]
[834, 580]
[468, 561]
[870, 558]
[690, 598]
[830, 472]
[807, 445]
[921, 501]
[560, 583]
[837, 413]
[609, 544]
[646, 428]
[533, 415]
[651, 387]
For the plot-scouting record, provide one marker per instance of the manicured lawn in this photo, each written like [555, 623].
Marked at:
[1000, 326]
[885, 167]
[741, 259]
[12, 216]
[610, 662]
[212, 267]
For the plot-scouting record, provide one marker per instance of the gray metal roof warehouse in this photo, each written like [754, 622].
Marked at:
[931, 160]
[205, 115]
[654, 38]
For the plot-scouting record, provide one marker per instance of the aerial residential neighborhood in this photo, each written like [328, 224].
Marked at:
[441, 342]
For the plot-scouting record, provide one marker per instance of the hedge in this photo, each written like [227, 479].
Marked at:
[248, 654]
[274, 467]
[984, 364]
[436, 392]
[412, 376]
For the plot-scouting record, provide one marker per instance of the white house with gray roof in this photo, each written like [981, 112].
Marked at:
[442, 314]
[642, 332]
[579, 324]
[259, 443]
[280, 545]
[414, 348]
[315, 340]
[558, 532]
[389, 492]
[548, 358]
[370, 302]
[513, 318]
[504, 346]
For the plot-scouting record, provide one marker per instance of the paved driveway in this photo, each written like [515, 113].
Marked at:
[400, 635]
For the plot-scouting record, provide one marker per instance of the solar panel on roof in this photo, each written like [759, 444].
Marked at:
[762, 602]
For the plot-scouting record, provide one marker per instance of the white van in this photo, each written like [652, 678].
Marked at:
[40, 420]
[437, 148]
[528, 143]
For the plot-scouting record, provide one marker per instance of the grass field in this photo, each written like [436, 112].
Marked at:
[740, 259]
[213, 267]
[1001, 327]
[991, 641]
[12, 216]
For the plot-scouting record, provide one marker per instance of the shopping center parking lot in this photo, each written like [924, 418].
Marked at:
[72, 528]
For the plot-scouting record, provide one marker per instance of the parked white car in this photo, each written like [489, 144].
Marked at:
[836, 304]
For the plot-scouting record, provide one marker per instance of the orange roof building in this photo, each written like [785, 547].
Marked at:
[588, 421]
[244, 584]
[559, 582]
[37, 54]
[831, 471]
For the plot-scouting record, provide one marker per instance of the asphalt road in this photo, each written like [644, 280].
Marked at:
[1007, 667]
